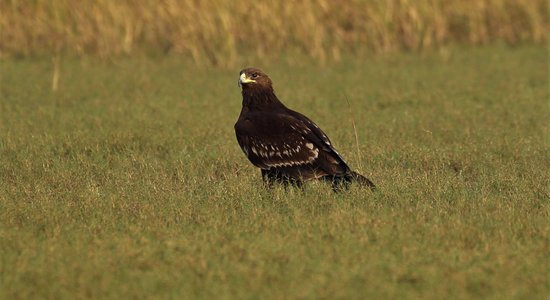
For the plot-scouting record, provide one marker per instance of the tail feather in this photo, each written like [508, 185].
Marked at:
[342, 181]
[354, 176]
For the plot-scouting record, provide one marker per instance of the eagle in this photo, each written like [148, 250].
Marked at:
[287, 146]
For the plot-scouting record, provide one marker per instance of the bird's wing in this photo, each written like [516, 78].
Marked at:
[320, 139]
[285, 140]
[275, 140]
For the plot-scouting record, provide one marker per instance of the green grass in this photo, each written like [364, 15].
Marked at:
[128, 182]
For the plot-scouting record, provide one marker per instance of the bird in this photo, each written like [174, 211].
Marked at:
[286, 145]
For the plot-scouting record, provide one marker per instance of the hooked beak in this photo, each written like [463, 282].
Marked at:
[244, 79]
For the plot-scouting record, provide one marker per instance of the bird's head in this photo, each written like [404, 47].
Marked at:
[254, 78]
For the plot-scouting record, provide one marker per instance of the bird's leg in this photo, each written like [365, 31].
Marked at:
[338, 183]
[273, 176]
[288, 181]
[267, 177]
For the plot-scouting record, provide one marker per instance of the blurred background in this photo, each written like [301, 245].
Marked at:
[221, 32]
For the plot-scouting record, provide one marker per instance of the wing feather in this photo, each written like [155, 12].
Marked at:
[274, 146]
[286, 139]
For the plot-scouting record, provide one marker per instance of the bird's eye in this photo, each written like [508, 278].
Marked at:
[254, 75]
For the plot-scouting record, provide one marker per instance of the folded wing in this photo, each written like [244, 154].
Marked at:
[286, 140]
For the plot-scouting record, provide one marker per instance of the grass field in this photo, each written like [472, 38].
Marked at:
[127, 182]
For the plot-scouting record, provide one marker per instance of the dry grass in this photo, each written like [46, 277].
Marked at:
[221, 32]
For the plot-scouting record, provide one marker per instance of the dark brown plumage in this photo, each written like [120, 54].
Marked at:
[286, 145]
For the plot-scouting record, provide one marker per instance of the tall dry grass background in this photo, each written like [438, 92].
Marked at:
[220, 31]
